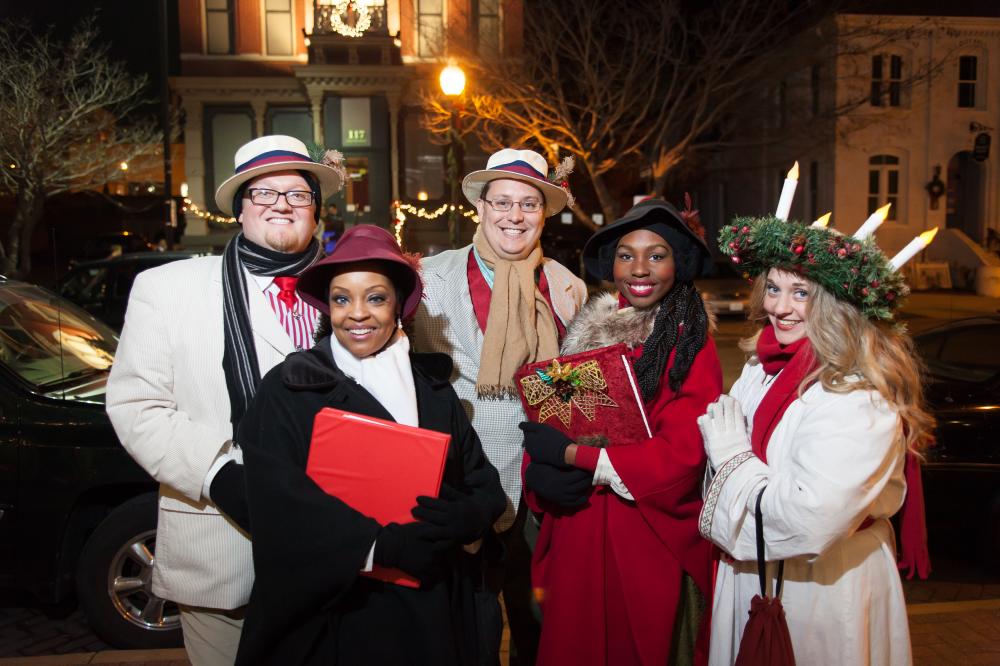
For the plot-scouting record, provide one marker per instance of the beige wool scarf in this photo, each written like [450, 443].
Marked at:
[520, 328]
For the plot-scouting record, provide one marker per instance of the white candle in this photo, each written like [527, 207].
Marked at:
[873, 222]
[787, 193]
[912, 248]
[822, 221]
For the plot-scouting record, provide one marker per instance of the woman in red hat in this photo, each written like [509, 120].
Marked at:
[620, 570]
[310, 603]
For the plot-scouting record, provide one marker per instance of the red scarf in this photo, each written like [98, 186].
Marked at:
[794, 361]
[797, 360]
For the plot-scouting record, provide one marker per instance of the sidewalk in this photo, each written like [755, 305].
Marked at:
[964, 633]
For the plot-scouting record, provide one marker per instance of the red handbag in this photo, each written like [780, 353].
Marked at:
[765, 641]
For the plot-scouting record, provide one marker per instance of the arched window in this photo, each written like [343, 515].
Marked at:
[884, 185]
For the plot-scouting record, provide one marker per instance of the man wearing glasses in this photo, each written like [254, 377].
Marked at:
[198, 336]
[493, 306]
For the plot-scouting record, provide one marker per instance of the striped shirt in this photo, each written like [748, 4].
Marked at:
[299, 322]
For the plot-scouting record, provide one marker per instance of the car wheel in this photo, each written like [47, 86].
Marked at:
[113, 581]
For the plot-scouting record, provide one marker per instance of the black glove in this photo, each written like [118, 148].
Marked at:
[565, 487]
[460, 519]
[545, 444]
[412, 547]
[229, 494]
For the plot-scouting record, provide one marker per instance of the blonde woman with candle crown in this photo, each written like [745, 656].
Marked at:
[834, 418]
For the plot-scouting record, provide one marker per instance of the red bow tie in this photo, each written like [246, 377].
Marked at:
[287, 286]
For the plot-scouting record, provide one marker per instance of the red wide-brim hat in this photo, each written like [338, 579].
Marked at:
[364, 242]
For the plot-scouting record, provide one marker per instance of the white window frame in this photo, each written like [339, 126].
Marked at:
[263, 30]
[881, 196]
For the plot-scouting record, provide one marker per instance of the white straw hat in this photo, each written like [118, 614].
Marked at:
[271, 153]
[524, 165]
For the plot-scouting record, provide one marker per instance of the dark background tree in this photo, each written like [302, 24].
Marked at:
[68, 118]
[635, 91]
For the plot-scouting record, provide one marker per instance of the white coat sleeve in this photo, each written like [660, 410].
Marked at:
[164, 440]
[842, 455]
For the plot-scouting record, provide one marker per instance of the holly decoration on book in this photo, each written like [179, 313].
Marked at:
[559, 386]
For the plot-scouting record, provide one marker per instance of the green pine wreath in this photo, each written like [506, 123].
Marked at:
[853, 270]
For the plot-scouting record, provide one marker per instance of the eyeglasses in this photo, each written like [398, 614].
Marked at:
[504, 205]
[295, 198]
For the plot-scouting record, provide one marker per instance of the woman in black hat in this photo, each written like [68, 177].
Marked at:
[620, 569]
[310, 603]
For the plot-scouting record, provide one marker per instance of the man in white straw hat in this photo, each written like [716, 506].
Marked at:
[198, 336]
[493, 306]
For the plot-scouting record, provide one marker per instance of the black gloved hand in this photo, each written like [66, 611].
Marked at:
[565, 487]
[460, 519]
[413, 547]
[545, 444]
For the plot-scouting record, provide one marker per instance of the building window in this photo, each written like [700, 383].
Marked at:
[423, 161]
[291, 121]
[218, 27]
[814, 82]
[887, 80]
[430, 27]
[813, 190]
[487, 22]
[278, 26]
[781, 105]
[883, 184]
[226, 129]
[967, 66]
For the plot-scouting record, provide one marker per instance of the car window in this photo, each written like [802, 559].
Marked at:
[84, 285]
[966, 354]
[48, 341]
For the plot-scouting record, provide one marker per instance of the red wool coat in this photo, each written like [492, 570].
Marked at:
[608, 574]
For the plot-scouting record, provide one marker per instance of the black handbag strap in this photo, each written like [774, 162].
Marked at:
[761, 564]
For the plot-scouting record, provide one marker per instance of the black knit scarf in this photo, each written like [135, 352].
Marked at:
[239, 358]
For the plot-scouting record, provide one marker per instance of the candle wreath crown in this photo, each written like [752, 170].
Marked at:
[853, 270]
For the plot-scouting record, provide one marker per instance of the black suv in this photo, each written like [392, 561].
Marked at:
[77, 514]
[101, 287]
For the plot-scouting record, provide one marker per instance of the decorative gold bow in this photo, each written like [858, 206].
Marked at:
[560, 386]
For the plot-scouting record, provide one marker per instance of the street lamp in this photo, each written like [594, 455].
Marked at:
[452, 81]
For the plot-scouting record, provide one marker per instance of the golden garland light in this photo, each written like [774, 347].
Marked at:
[400, 211]
[194, 209]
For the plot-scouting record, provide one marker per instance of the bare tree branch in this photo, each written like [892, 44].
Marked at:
[68, 118]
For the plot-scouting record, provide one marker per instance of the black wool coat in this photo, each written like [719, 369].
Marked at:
[309, 604]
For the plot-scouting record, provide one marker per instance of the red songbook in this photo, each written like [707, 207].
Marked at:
[378, 467]
[592, 396]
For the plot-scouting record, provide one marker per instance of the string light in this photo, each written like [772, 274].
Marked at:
[194, 209]
[402, 212]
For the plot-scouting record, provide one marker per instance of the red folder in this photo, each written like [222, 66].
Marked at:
[591, 396]
[378, 467]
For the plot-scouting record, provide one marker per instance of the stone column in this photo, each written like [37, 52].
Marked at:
[393, 100]
[259, 115]
[316, 106]
[194, 165]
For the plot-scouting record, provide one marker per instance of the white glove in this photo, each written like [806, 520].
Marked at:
[724, 430]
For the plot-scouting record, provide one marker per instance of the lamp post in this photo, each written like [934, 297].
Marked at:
[452, 81]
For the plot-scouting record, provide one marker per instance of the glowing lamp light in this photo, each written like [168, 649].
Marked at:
[822, 221]
[184, 190]
[421, 196]
[452, 80]
[123, 166]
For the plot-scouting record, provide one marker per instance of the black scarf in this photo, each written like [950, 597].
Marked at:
[239, 358]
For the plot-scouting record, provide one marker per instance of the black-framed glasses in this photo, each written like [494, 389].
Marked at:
[295, 198]
[504, 205]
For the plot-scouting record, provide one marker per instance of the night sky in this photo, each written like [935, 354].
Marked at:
[130, 28]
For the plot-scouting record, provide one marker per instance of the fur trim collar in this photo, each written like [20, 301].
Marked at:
[600, 323]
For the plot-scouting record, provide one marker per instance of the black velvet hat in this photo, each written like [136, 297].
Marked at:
[691, 255]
